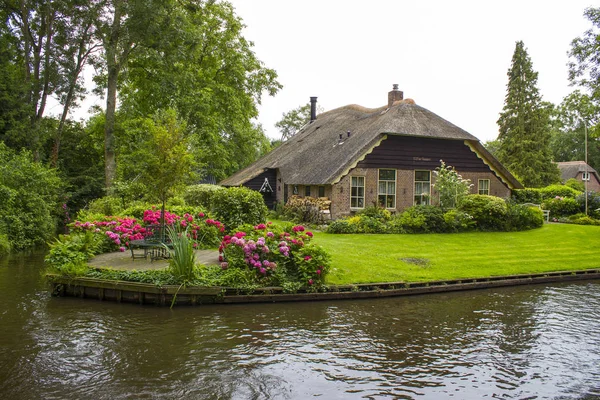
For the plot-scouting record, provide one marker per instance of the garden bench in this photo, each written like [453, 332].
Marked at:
[545, 212]
[152, 244]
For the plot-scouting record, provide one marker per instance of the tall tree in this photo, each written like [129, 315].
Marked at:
[201, 65]
[292, 121]
[53, 42]
[524, 126]
[584, 66]
[577, 113]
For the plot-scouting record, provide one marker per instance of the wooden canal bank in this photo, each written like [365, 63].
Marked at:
[141, 293]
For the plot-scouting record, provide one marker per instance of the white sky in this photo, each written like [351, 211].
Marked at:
[451, 57]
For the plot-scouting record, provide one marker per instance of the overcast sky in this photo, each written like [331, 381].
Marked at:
[451, 57]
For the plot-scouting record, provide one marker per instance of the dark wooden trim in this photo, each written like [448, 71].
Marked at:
[408, 152]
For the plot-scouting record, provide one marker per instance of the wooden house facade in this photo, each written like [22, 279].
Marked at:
[359, 157]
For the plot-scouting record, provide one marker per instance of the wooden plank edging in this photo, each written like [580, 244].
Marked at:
[144, 293]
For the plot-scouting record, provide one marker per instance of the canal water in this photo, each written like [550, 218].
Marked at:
[536, 342]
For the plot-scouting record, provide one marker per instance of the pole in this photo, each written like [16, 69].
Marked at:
[587, 174]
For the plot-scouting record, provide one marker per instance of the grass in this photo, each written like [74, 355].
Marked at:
[414, 258]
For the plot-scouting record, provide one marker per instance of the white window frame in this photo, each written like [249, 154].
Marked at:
[480, 189]
[426, 201]
[585, 176]
[357, 196]
[387, 188]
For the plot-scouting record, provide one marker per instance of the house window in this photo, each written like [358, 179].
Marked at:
[483, 186]
[295, 189]
[585, 176]
[387, 188]
[357, 192]
[321, 191]
[306, 191]
[422, 187]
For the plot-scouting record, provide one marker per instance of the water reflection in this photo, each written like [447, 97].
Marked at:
[528, 342]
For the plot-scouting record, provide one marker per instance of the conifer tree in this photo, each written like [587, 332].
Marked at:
[525, 126]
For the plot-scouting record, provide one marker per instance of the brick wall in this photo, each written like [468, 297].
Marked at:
[592, 184]
[340, 192]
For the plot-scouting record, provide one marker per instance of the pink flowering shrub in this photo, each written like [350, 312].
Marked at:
[118, 232]
[276, 255]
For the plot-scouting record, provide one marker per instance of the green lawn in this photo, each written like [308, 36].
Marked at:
[378, 258]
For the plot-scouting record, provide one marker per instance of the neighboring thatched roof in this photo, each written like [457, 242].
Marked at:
[570, 169]
[315, 156]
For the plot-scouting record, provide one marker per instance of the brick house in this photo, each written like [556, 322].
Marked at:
[358, 157]
[582, 172]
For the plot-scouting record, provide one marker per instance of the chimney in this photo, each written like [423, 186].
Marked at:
[313, 109]
[395, 95]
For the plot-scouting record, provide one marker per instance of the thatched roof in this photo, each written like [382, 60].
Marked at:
[315, 156]
[570, 169]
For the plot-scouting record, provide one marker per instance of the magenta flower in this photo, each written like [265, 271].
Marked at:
[306, 258]
[121, 249]
[224, 265]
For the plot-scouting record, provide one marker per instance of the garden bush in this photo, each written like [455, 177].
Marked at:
[277, 257]
[379, 213]
[527, 195]
[342, 225]
[553, 191]
[107, 205]
[575, 184]
[30, 200]
[422, 219]
[459, 221]
[201, 195]
[561, 206]
[488, 211]
[580, 219]
[239, 205]
[593, 199]
[521, 217]
[4, 244]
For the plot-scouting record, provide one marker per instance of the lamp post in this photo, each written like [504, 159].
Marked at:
[586, 174]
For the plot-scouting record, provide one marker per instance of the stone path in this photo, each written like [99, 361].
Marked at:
[122, 260]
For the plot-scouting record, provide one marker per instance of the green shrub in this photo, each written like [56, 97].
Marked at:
[239, 205]
[521, 217]
[201, 195]
[30, 199]
[368, 224]
[561, 206]
[422, 219]
[575, 184]
[376, 212]
[527, 195]
[552, 191]
[4, 245]
[488, 211]
[593, 200]
[459, 221]
[580, 219]
[69, 254]
[342, 225]
[106, 206]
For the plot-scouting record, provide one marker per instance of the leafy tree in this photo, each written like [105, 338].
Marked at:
[188, 55]
[572, 117]
[53, 40]
[292, 121]
[584, 67]
[524, 126]
[163, 161]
